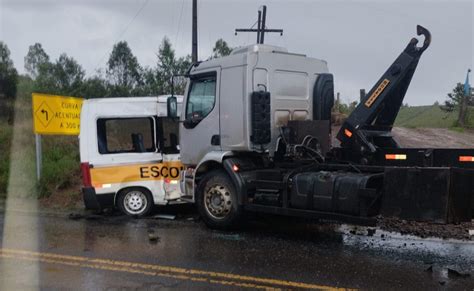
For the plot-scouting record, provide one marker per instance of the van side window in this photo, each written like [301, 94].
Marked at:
[202, 97]
[125, 135]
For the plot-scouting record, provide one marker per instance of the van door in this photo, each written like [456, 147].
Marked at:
[168, 144]
[128, 156]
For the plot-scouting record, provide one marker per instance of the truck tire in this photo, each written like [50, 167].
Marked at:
[216, 201]
[135, 201]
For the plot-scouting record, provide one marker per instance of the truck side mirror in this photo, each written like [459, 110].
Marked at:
[172, 107]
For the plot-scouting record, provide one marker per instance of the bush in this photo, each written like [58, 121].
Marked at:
[60, 164]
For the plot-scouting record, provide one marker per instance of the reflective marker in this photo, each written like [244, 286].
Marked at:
[466, 159]
[395, 157]
[348, 133]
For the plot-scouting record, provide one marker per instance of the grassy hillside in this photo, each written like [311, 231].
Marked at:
[60, 176]
[428, 116]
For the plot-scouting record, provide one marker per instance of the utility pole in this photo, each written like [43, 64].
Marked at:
[261, 26]
[194, 54]
[462, 120]
[259, 21]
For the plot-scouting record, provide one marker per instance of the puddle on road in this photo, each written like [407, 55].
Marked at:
[225, 236]
[436, 253]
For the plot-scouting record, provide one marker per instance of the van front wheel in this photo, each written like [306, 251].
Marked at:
[217, 201]
[135, 201]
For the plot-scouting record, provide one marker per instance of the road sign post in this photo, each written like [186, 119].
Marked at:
[39, 158]
[54, 115]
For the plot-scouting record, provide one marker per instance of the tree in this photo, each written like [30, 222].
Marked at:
[221, 49]
[64, 77]
[169, 66]
[45, 81]
[94, 87]
[123, 71]
[457, 101]
[166, 65]
[182, 66]
[69, 75]
[35, 58]
[8, 73]
[150, 83]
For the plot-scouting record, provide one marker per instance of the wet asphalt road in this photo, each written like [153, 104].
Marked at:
[114, 252]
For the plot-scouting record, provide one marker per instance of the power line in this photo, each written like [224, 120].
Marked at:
[124, 30]
[179, 23]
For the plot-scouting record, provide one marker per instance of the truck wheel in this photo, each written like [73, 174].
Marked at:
[135, 201]
[216, 201]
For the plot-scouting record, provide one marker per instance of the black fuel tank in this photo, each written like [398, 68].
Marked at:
[338, 192]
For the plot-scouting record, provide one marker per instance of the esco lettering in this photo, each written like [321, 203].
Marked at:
[157, 172]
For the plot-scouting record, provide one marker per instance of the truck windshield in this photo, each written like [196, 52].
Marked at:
[202, 97]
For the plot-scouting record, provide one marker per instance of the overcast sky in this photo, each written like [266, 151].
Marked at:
[358, 39]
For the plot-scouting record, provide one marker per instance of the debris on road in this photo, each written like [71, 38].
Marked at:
[371, 231]
[460, 231]
[75, 216]
[456, 274]
[165, 216]
[153, 236]
[234, 237]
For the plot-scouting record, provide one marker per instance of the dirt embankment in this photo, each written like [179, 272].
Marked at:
[433, 138]
[426, 137]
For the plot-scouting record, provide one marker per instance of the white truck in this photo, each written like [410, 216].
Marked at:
[129, 154]
[255, 136]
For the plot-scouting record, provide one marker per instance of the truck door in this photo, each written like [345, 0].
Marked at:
[200, 132]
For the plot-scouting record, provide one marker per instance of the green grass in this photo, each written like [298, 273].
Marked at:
[5, 144]
[60, 164]
[60, 153]
[429, 116]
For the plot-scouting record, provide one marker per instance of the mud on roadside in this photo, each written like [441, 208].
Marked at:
[425, 229]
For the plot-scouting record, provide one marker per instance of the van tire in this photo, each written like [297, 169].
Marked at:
[135, 201]
[217, 202]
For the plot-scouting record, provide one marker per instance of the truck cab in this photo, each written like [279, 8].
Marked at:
[217, 117]
[235, 106]
[129, 150]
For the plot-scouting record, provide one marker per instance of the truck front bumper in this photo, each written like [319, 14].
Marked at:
[95, 201]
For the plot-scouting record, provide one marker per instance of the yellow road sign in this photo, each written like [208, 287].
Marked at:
[56, 114]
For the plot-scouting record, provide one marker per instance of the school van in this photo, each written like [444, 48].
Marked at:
[129, 152]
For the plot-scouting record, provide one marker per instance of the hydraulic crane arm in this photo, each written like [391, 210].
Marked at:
[370, 124]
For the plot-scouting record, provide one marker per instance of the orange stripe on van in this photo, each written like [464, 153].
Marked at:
[136, 172]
